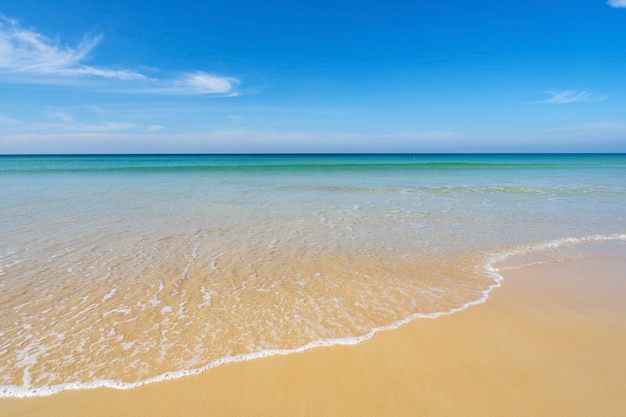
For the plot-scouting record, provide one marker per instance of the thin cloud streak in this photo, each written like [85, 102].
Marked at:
[60, 114]
[214, 140]
[38, 59]
[7, 120]
[194, 83]
[572, 96]
[206, 83]
[25, 51]
[143, 140]
[88, 127]
[617, 3]
[593, 128]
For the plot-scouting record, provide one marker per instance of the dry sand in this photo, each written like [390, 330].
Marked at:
[550, 342]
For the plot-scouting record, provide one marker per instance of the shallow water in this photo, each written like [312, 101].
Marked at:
[122, 270]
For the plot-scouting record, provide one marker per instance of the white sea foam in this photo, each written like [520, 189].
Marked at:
[124, 311]
[489, 268]
[110, 294]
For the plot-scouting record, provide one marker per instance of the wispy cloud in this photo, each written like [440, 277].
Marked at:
[192, 83]
[59, 114]
[26, 51]
[572, 96]
[106, 127]
[71, 126]
[607, 127]
[80, 119]
[617, 3]
[39, 59]
[206, 83]
[7, 120]
[142, 139]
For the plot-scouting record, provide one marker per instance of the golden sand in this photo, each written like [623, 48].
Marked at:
[550, 342]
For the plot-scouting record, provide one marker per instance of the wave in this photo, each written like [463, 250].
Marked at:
[471, 189]
[489, 268]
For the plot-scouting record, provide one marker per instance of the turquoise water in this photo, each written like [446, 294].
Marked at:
[121, 270]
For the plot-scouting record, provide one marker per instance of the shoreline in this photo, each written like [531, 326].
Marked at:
[550, 341]
[488, 268]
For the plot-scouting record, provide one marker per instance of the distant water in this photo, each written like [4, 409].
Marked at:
[122, 270]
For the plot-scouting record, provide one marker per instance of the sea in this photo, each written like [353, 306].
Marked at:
[122, 270]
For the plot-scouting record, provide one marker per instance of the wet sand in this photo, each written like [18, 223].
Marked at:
[550, 342]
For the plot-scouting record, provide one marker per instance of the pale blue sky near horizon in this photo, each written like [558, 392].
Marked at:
[328, 76]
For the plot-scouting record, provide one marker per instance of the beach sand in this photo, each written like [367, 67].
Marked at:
[550, 342]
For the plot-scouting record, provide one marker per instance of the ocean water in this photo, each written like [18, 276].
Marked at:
[123, 270]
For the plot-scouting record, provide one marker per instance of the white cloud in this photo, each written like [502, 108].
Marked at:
[572, 96]
[154, 128]
[7, 120]
[194, 83]
[70, 125]
[39, 59]
[60, 114]
[95, 138]
[106, 126]
[617, 3]
[108, 73]
[593, 128]
[26, 51]
[591, 137]
[203, 83]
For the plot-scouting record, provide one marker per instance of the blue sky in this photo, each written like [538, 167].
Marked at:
[140, 76]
